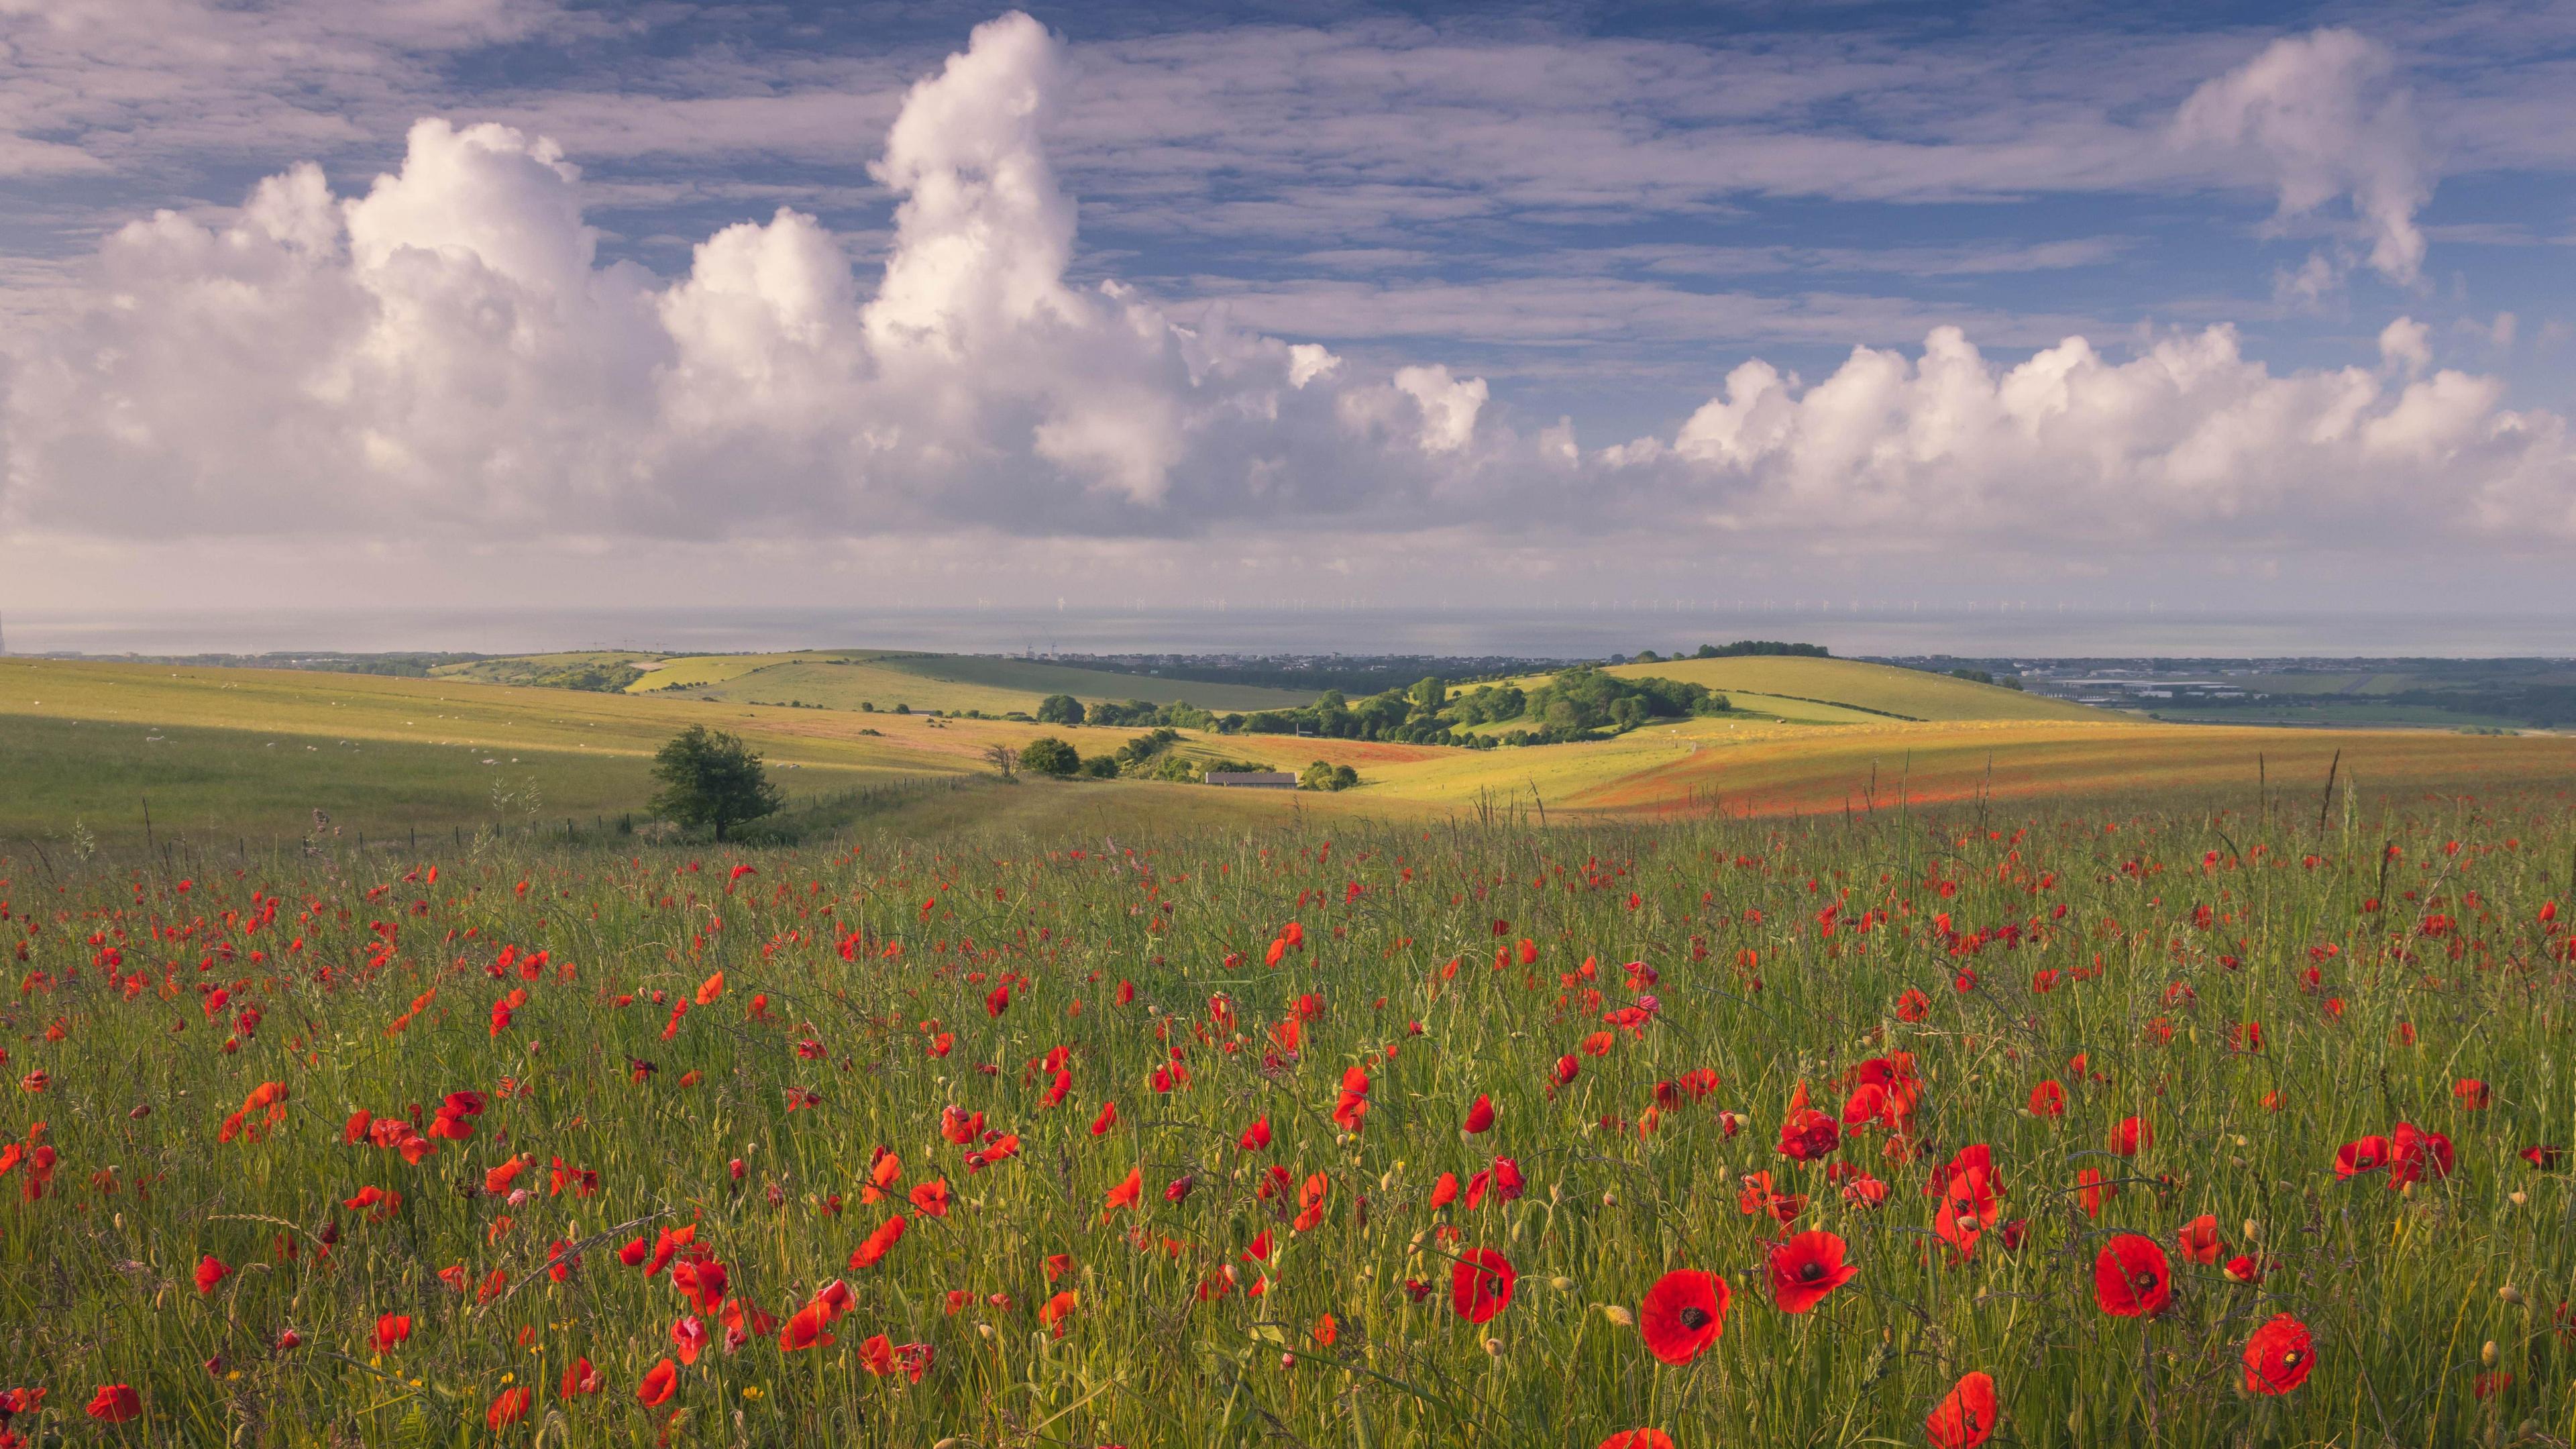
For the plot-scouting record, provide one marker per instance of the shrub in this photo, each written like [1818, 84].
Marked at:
[1060, 709]
[1047, 755]
[713, 779]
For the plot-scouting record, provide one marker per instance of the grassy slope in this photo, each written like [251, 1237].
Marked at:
[520, 668]
[223, 786]
[1036, 678]
[843, 679]
[1909, 692]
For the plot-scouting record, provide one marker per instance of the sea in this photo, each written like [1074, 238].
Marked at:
[1571, 632]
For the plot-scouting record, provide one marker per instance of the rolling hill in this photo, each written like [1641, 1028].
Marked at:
[221, 752]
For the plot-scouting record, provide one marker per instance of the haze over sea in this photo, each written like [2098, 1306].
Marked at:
[1571, 631]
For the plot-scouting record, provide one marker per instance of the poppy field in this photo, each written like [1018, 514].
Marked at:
[2069, 1127]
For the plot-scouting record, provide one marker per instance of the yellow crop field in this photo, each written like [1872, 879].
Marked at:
[1784, 769]
[1875, 689]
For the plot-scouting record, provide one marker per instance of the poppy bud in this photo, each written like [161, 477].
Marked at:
[1618, 1315]
[2487, 1353]
[2510, 1294]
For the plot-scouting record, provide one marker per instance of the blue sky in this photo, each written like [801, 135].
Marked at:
[1535, 245]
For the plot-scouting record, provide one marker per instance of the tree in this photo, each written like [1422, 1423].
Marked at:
[1047, 755]
[1429, 696]
[711, 778]
[1001, 757]
[1060, 709]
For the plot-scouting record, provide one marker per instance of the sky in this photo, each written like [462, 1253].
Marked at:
[490, 303]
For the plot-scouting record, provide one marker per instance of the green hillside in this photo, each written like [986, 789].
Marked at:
[1879, 688]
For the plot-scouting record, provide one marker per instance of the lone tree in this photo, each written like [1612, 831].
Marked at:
[712, 778]
[1047, 755]
[1060, 709]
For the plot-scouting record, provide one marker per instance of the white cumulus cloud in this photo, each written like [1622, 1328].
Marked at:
[446, 350]
[2322, 116]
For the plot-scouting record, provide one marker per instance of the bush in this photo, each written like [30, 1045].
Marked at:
[1047, 755]
[1321, 776]
[1101, 767]
[713, 779]
[1060, 709]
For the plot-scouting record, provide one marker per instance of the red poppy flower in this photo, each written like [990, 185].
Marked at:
[2092, 1189]
[509, 1406]
[2278, 1356]
[1255, 1137]
[1480, 1116]
[391, 1329]
[115, 1403]
[1056, 1310]
[2048, 1099]
[930, 1199]
[1126, 1194]
[1808, 1134]
[2414, 1153]
[878, 1243]
[1480, 1285]
[1806, 1268]
[809, 1327]
[2199, 1239]
[2132, 1278]
[2131, 1136]
[2470, 1093]
[1683, 1314]
[580, 1378]
[659, 1381]
[211, 1271]
[1965, 1417]
[2543, 1157]
[2243, 1269]
[690, 1337]
[1638, 1439]
[2365, 1154]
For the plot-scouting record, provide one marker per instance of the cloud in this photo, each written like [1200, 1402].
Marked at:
[445, 358]
[447, 352]
[2188, 440]
[2320, 116]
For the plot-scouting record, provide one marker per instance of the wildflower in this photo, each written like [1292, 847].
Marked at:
[1056, 1310]
[1806, 1268]
[115, 1404]
[1480, 1285]
[2132, 1277]
[658, 1382]
[509, 1407]
[2278, 1356]
[1480, 1117]
[1965, 1417]
[878, 1243]
[1682, 1315]
[1808, 1134]
[2199, 1239]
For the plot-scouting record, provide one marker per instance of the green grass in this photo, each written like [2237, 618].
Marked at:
[952, 683]
[828, 974]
